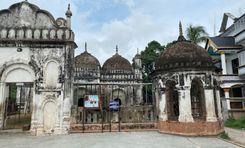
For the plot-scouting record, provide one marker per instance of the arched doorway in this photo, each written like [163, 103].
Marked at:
[119, 94]
[17, 95]
[172, 98]
[198, 106]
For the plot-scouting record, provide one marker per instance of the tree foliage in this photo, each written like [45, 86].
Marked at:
[196, 34]
[149, 56]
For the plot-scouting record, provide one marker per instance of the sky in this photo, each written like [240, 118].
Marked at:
[132, 24]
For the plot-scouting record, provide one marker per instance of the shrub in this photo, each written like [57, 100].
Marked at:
[237, 124]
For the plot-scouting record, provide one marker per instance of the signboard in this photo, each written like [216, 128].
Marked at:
[114, 105]
[91, 101]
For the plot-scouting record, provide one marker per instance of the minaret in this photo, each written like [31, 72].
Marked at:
[137, 62]
[181, 36]
[138, 77]
[68, 16]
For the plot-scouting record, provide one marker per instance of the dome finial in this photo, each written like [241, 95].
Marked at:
[137, 50]
[180, 29]
[116, 49]
[68, 12]
[86, 47]
[181, 36]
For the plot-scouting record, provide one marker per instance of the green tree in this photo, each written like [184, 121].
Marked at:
[149, 55]
[196, 34]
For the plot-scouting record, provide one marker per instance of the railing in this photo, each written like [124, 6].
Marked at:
[125, 114]
[236, 103]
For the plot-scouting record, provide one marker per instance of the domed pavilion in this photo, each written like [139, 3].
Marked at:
[187, 94]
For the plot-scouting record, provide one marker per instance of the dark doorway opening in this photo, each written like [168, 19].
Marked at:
[198, 106]
[18, 106]
[172, 97]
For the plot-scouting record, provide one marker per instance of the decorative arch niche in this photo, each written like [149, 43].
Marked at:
[198, 106]
[172, 98]
[49, 116]
[51, 74]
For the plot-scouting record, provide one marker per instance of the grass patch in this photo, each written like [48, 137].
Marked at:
[225, 136]
[237, 124]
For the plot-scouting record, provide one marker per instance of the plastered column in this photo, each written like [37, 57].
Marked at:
[139, 95]
[223, 63]
[18, 93]
[227, 96]
[219, 105]
[185, 114]
[67, 103]
[162, 107]
[210, 105]
[2, 91]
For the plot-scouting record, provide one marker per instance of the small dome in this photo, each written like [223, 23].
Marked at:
[86, 60]
[117, 64]
[183, 54]
[137, 56]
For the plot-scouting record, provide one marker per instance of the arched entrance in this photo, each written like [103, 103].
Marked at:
[119, 94]
[172, 98]
[198, 106]
[16, 96]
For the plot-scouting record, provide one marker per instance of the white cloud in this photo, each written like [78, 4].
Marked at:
[148, 20]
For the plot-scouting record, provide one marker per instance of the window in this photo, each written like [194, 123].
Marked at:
[235, 66]
[236, 91]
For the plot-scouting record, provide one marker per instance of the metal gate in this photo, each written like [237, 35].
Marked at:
[137, 109]
[18, 102]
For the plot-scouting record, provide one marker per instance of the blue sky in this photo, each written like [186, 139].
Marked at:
[131, 24]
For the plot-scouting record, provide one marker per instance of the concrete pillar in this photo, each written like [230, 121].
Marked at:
[219, 105]
[2, 99]
[18, 94]
[163, 116]
[223, 63]
[185, 113]
[139, 95]
[210, 105]
[227, 96]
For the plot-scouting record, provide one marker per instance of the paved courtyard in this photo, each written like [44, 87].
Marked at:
[110, 140]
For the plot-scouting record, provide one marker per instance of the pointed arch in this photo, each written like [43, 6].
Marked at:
[172, 98]
[198, 106]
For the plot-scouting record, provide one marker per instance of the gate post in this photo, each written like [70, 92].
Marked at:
[2, 103]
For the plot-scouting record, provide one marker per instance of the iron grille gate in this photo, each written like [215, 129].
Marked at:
[18, 102]
[137, 109]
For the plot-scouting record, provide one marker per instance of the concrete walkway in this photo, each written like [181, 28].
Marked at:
[110, 140]
[236, 135]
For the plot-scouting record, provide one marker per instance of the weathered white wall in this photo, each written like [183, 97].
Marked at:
[11, 54]
[51, 74]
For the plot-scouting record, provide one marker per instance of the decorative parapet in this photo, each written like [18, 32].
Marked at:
[36, 34]
[27, 22]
